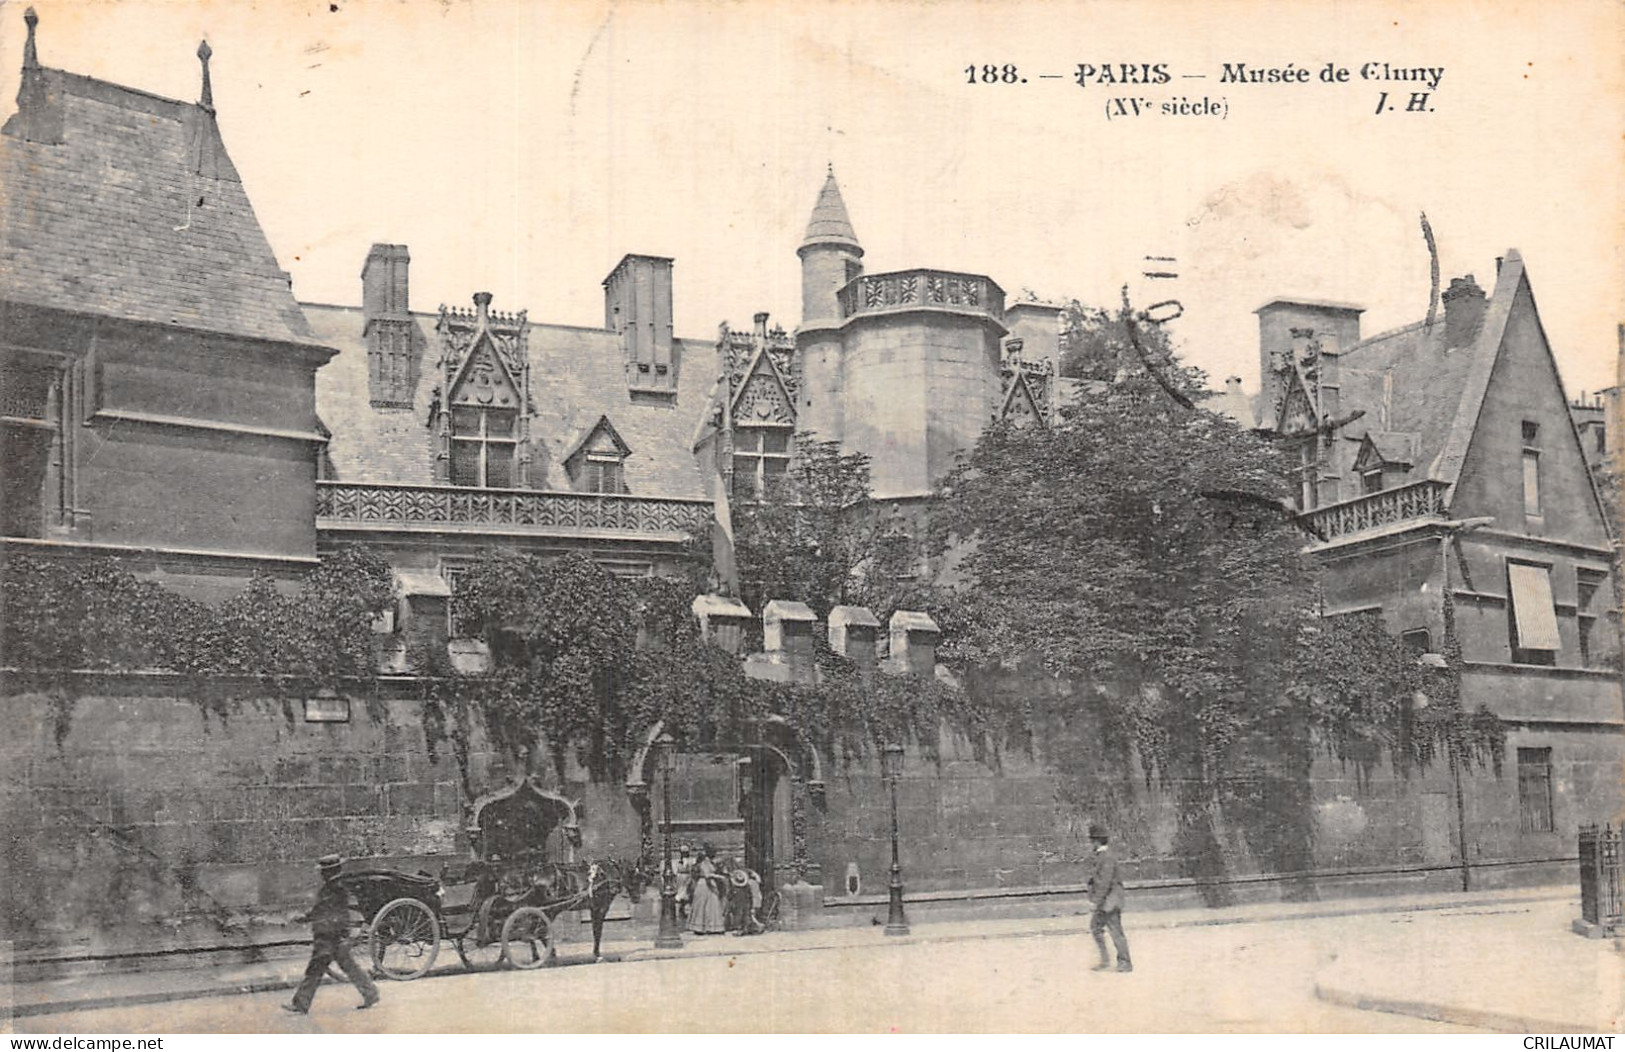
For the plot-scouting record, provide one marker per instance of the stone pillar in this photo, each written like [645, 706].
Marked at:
[854, 633]
[914, 638]
[722, 621]
[787, 632]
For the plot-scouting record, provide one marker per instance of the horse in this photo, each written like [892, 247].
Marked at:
[561, 886]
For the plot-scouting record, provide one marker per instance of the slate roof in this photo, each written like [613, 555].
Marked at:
[128, 206]
[1422, 399]
[829, 223]
[577, 376]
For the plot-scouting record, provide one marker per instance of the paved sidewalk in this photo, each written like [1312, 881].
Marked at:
[1523, 908]
[1514, 969]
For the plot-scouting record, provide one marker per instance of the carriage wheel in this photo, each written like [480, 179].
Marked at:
[480, 947]
[527, 938]
[405, 939]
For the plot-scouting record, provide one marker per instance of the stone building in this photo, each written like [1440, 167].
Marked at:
[464, 429]
[1446, 470]
[166, 400]
[907, 367]
[159, 377]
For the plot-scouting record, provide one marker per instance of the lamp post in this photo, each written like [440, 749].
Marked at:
[670, 936]
[891, 768]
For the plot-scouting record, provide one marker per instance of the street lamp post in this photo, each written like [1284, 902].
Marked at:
[891, 768]
[670, 935]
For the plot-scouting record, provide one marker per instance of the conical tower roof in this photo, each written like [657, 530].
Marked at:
[829, 224]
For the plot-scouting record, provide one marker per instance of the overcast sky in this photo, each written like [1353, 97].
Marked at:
[522, 148]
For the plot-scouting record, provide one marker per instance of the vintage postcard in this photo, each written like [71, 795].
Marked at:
[920, 516]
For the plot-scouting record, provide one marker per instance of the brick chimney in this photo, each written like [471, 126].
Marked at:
[1284, 328]
[392, 358]
[637, 308]
[1464, 307]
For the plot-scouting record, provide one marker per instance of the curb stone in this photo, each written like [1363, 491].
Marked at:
[1441, 1013]
[810, 940]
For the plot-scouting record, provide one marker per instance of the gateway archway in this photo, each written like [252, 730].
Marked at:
[750, 798]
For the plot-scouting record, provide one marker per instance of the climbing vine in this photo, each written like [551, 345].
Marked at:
[62, 616]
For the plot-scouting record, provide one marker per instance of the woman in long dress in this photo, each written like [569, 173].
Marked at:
[705, 909]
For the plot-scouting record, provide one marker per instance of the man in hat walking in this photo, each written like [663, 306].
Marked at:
[329, 922]
[1106, 890]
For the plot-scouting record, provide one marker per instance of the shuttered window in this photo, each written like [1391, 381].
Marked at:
[1534, 618]
[1535, 790]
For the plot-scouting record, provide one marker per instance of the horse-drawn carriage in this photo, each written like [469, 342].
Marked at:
[499, 908]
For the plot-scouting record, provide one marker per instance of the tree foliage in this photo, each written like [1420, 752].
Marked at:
[588, 661]
[93, 614]
[819, 538]
[1144, 549]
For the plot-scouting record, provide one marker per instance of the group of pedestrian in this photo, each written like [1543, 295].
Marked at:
[716, 896]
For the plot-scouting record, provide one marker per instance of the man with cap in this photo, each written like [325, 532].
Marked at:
[329, 922]
[1106, 891]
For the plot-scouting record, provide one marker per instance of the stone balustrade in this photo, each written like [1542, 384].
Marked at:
[378, 507]
[1419, 500]
[916, 289]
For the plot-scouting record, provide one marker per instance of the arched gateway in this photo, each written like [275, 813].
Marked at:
[750, 797]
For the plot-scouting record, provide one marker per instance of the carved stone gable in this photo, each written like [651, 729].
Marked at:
[763, 399]
[1020, 405]
[1297, 411]
[485, 380]
[741, 355]
[1027, 385]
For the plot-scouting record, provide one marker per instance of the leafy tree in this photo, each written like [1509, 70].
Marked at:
[1142, 550]
[819, 538]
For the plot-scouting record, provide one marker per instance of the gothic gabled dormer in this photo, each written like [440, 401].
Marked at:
[1027, 387]
[481, 411]
[763, 396]
[596, 462]
[1384, 459]
[755, 409]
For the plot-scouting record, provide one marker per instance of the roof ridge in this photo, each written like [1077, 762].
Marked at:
[1388, 334]
[110, 92]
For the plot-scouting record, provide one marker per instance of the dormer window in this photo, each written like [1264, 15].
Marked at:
[1385, 459]
[596, 461]
[483, 446]
[482, 423]
[761, 457]
[601, 473]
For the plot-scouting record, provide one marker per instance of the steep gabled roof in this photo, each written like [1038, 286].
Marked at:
[1447, 467]
[125, 204]
[603, 427]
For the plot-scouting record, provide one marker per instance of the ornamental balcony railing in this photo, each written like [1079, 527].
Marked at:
[463, 509]
[1419, 500]
[914, 289]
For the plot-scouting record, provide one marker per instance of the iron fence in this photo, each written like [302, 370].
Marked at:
[1600, 899]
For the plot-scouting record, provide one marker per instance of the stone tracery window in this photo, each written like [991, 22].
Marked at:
[484, 443]
[761, 458]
